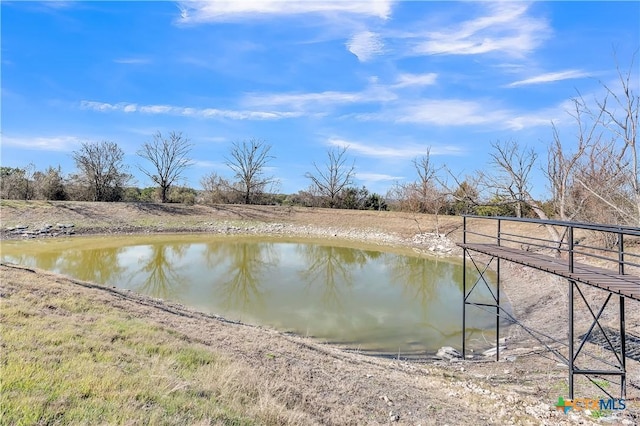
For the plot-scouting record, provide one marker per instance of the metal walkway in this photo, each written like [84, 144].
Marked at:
[522, 241]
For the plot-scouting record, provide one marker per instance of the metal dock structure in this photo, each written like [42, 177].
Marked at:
[573, 257]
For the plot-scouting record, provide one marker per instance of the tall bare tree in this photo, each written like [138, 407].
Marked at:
[248, 159]
[600, 180]
[334, 176]
[169, 158]
[617, 112]
[511, 180]
[562, 166]
[101, 167]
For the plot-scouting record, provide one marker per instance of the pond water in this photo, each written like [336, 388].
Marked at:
[391, 301]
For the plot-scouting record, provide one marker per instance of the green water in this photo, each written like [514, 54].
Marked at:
[385, 301]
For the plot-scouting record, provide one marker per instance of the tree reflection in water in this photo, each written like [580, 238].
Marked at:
[161, 280]
[246, 263]
[419, 277]
[332, 268]
[96, 265]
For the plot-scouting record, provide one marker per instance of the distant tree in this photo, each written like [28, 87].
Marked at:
[131, 194]
[183, 195]
[353, 198]
[424, 189]
[102, 169]
[13, 183]
[330, 179]
[216, 189]
[375, 202]
[512, 180]
[49, 185]
[465, 198]
[248, 159]
[169, 158]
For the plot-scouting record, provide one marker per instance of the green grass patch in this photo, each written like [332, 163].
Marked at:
[65, 361]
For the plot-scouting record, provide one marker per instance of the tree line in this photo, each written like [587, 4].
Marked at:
[596, 180]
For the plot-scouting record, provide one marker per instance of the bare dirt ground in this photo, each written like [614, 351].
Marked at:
[331, 385]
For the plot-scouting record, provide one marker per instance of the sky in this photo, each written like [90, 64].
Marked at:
[389, 80]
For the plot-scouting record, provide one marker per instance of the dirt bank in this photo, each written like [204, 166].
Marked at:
[329, 385]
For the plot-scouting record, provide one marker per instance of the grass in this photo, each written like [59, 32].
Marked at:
[69, 360]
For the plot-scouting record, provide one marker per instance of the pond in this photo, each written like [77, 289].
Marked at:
[392, 301]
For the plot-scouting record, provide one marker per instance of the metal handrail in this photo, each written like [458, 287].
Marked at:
[627, 230]
[568, 243]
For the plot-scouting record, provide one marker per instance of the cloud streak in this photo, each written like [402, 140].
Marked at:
[377, 177]
[505, 27]
[407, 80]
[213, 113]
[196, 12]
[40, 143]
[132, 61]
[406, 151]
[550, 78]
[300, 101]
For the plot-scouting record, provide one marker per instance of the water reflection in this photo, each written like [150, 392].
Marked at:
[364, 298]
[416, 277]
[330, 268]
[158, 276]
[244, 264]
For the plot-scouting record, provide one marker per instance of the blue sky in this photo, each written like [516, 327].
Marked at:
[387, 79]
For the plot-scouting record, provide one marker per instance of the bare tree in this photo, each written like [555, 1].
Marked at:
[429, 198]
[217, 190]
[102, 169]
[600, 180]
[169, 158]
[248, 159]
[512, 179]
[49, 185]
[618, 113]
[334, 176]
[562, 167]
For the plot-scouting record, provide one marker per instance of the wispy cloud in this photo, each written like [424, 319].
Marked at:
[132, 61]
[299, 101]
[231, 10]
[377, 177]
[402, 151]
[456, 113]
[440, 112]
[188, 111]
[550, 77]
[405, 80]
[365, 45]
[43, 143]
[506, 28]
[206, 164]
[450, 112]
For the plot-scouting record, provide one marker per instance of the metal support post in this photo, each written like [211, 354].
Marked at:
[623, 352]
[571, 358]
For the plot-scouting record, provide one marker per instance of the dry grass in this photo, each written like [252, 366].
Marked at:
[69, 360]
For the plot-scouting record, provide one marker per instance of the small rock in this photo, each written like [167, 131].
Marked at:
[393, 417]
[447, 352]
[386, 399]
